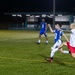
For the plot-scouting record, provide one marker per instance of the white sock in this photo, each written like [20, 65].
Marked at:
[39, 41]
[46, 41]
[53, 52]
[65, 52]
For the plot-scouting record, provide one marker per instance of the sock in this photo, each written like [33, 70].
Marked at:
[39, 41]
[65, 52]
[52, 55]
[53, 52]
[46, 41]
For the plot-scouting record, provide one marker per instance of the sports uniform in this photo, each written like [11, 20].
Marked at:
[71, 44]
[43, 31]
[43, 28]
[58, 42]
[58, 37]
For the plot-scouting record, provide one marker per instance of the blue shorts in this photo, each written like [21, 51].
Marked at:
[43, 32]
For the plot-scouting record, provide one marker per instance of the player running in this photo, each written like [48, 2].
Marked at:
[58, 41]
[71, 44]
[43, 31]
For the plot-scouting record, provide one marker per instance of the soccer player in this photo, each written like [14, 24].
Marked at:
[71, 44]
[43, 31]
[58, 41]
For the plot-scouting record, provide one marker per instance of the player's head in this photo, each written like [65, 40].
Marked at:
[43, 20]
[72, 26]
[57, 26]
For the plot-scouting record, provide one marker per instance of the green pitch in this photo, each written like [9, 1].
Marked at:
[20, 55]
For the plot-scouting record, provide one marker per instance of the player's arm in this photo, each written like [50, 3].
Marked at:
[46, 27]
[65, 37]
[51, 30]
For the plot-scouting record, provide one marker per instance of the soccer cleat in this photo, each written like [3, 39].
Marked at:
[38, 43]
[46, 43]
[50, 60]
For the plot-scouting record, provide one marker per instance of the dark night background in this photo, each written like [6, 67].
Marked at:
[36, 5]
[7, 6]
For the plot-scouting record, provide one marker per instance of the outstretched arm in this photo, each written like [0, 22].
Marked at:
[51, 30]
[65, 37]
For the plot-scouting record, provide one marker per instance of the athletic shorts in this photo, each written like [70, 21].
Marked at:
[72, 49]
[43, 32]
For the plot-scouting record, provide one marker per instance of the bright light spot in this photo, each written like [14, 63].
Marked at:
[59, 14]
[51, 15]
[28, 15]
[43, 15]
[13, 15]
[37, 16]
[19, 15]
[32, 16]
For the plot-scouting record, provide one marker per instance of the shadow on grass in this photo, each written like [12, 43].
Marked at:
[68, 64]
[58, 61]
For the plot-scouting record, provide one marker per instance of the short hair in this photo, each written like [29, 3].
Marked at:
[73, 24]
[59, 25]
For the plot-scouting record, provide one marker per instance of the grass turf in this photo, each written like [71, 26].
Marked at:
[20, 55]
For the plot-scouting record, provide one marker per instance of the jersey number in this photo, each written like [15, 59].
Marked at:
[42, 25]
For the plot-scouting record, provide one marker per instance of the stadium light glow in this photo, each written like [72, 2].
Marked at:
[32, 16]
[27, 15]
[37, 16]
[43, 15]
[13, 15]
[19, 15]
[59, 14]
[51, 15]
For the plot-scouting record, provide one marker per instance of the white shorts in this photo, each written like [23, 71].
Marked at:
[58, 43]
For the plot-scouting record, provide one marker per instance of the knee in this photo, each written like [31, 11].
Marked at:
[73, 55]
[61, 52]
[53, 51]
[63, 43]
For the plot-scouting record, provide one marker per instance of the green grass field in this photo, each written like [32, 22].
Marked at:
[20, 55]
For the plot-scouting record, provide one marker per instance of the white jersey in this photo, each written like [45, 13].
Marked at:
[72, 38]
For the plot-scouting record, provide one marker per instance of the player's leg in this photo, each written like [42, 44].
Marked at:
[56, 44]
[60, 44]
[46, 37]
[39, 40]
[64, 51]
[73, 55]
[72, 49]
[53, 51]
[63, 44]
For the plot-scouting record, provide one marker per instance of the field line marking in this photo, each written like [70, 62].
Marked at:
[22, 59]
[33, 60]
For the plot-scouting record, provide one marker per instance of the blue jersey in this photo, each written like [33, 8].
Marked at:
[43, 26]
[58, 34]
